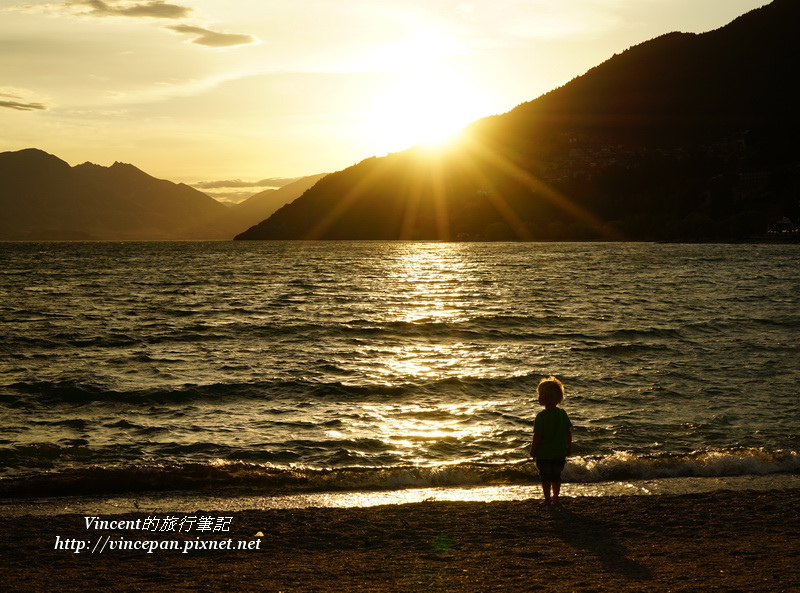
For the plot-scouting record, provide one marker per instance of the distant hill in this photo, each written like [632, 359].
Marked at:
[43, 198]
[261, 205]
[683, 137]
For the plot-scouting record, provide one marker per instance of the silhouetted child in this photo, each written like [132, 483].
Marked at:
[552, 438]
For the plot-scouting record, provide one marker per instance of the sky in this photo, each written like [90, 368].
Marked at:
[236, 95]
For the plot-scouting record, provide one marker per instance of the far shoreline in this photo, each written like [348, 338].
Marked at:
[765, 240]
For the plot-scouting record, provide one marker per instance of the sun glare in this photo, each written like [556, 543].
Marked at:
[431, 95]
[423, 108]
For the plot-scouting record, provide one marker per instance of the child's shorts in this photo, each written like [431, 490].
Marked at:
[550, 469]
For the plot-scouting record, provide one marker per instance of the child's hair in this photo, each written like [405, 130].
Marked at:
[551, 390]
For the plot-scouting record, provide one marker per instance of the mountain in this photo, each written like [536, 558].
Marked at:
[43, 198]
[683, 137]
[261, 205]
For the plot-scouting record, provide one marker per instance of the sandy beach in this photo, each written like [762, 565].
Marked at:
[719, 541]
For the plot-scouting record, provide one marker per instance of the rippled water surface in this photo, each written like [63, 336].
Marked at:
[347, 365]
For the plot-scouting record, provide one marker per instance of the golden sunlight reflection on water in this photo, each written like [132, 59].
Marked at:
[413, 422]
[429, 281]
[431, 277]
[402, 427]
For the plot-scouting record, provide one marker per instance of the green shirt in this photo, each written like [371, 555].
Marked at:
[552, 426]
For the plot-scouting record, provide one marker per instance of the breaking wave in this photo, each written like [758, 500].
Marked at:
[271, 480]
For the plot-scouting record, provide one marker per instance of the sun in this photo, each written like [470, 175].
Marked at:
[424, 107]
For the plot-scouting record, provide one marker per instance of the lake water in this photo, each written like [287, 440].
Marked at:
[281, 368]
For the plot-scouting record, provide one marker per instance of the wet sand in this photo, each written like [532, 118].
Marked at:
[720, 541]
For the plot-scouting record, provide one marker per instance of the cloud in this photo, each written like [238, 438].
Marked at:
[23, 106]
[162, 10]
[212, 38]
[20, 105]
[273, 182]
[235, 191]
[152, 9]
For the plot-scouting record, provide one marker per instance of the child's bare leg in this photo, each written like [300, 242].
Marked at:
[556, 491]
[546, 486]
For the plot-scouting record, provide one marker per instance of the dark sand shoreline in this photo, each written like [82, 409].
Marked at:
[719, 541]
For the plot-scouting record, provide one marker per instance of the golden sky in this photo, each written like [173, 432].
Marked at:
[202, 90]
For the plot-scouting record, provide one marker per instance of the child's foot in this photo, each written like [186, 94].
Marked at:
[556, 500]
[545, 501]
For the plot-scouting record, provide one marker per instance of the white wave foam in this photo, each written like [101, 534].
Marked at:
[736, 462]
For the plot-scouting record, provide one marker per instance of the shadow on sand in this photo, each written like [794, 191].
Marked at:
[596, 537]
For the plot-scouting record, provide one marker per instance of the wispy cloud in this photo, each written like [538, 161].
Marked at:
[162, 10]
[212, 38]
[23, 106]
[151, 9]
[19, 104]
[273, 182]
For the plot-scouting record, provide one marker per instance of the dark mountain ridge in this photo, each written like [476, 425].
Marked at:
[683, 137]
[684, 86]
[43, 198]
